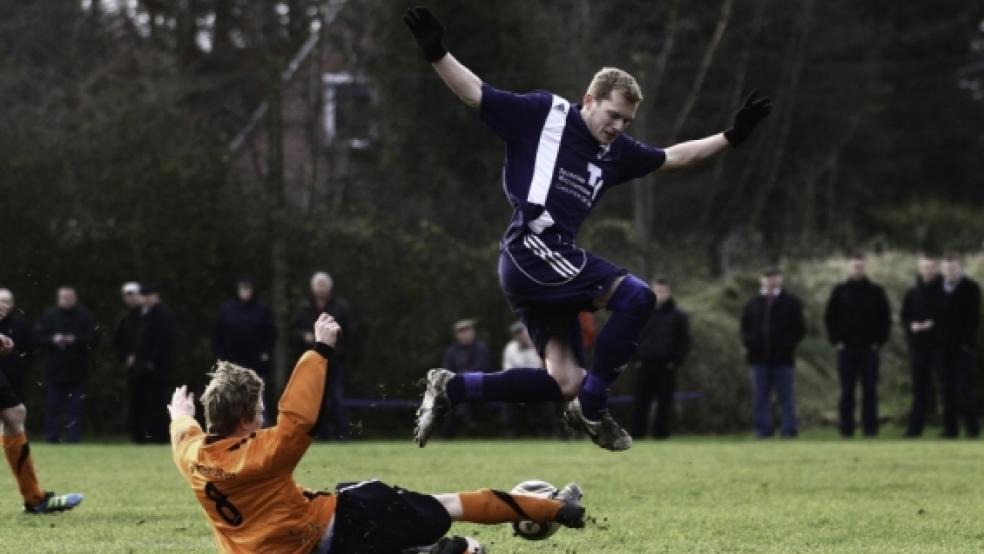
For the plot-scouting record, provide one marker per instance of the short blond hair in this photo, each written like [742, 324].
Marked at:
[231, 396]
[609, 79]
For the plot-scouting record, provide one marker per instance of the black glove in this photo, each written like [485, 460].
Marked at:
[427, 31]
[752, 111]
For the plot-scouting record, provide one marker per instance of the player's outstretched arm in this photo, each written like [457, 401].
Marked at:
[695, 152]
[429, 34]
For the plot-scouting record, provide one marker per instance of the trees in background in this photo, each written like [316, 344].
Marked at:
[118, 120]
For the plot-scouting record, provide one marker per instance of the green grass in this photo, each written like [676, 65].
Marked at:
[689, 495]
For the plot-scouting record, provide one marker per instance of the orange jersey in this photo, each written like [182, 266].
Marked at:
[245, 484]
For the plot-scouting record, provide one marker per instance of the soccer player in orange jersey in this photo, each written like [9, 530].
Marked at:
[242, 476]
[18, 451]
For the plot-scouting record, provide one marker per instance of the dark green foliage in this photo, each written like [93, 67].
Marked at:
[114, 156]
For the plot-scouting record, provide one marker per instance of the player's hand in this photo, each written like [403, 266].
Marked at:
[182, 403]
[427, 31]
[751, 112]
[6, 345]
[326, 330]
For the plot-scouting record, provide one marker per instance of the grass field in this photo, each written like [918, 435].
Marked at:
[687, 495]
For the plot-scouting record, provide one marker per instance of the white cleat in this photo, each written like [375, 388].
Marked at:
[434, 406]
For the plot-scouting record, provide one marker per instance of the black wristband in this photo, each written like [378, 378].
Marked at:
[326, 351]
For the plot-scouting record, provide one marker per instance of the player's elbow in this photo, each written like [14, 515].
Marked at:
[675, 159]
[471, 96]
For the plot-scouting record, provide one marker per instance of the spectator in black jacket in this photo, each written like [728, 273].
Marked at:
[858, 320]
[333, 422]
[959, 317]
[467, 353]
[663, 345]
[125, 334]
[15, 365]
[772, 326]
[245, 332]
[920, 311]
[150, 374]
[68, 333]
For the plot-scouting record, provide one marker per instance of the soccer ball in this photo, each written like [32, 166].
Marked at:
[532, 530]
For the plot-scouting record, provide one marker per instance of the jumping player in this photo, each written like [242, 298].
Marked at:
[18, 451]
[242, 476]
[561, 158]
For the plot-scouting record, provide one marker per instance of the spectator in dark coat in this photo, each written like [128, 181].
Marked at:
[920, 312]
[125, 334]
[858, 320]
[333, 422]
[959, 317]
[663, 345]
[466, 354]
[245, 332]
[772, 326]
[150, 374]
[15, 365]
[68, 333]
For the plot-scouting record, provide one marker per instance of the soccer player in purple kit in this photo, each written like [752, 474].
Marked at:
[561, 158]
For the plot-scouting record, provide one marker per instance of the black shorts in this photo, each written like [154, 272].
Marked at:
[375, 518]
[8, 396]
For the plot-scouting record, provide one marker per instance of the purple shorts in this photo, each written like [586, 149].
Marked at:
[548, 281]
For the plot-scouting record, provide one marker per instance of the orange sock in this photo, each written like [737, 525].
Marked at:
[18, 452]
[489, 506]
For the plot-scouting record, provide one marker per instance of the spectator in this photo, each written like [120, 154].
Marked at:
[663, 345]
[333, 422]
[466, 354]
[124, 343]
[151, 371]
[245, 332]
[959, 317]
[68, 332]
[772, 326]
[920, 310]
[520, 352]
[125, 335]
[12, 324]
[858, 320]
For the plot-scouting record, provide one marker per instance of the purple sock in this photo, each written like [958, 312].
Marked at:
[519, 384]
[631, 306]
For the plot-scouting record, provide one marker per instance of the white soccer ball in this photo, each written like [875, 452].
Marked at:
[532, 530]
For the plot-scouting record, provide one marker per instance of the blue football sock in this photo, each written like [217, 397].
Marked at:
[521, 384]
[631, 306]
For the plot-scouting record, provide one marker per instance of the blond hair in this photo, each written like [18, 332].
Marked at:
[231, 396]
[609, 79]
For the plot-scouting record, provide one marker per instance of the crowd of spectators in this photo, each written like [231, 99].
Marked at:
[143, 341]
[940, 315]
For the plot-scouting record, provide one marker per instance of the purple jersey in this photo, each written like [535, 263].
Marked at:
[555, 171]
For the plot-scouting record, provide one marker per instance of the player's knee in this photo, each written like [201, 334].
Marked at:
[14, 417]
[633, 296]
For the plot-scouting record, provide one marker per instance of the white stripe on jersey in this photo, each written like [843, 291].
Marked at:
[546, 151]
[545, 255]
[557, 257]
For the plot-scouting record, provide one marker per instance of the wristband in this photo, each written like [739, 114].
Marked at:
[326, 351]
